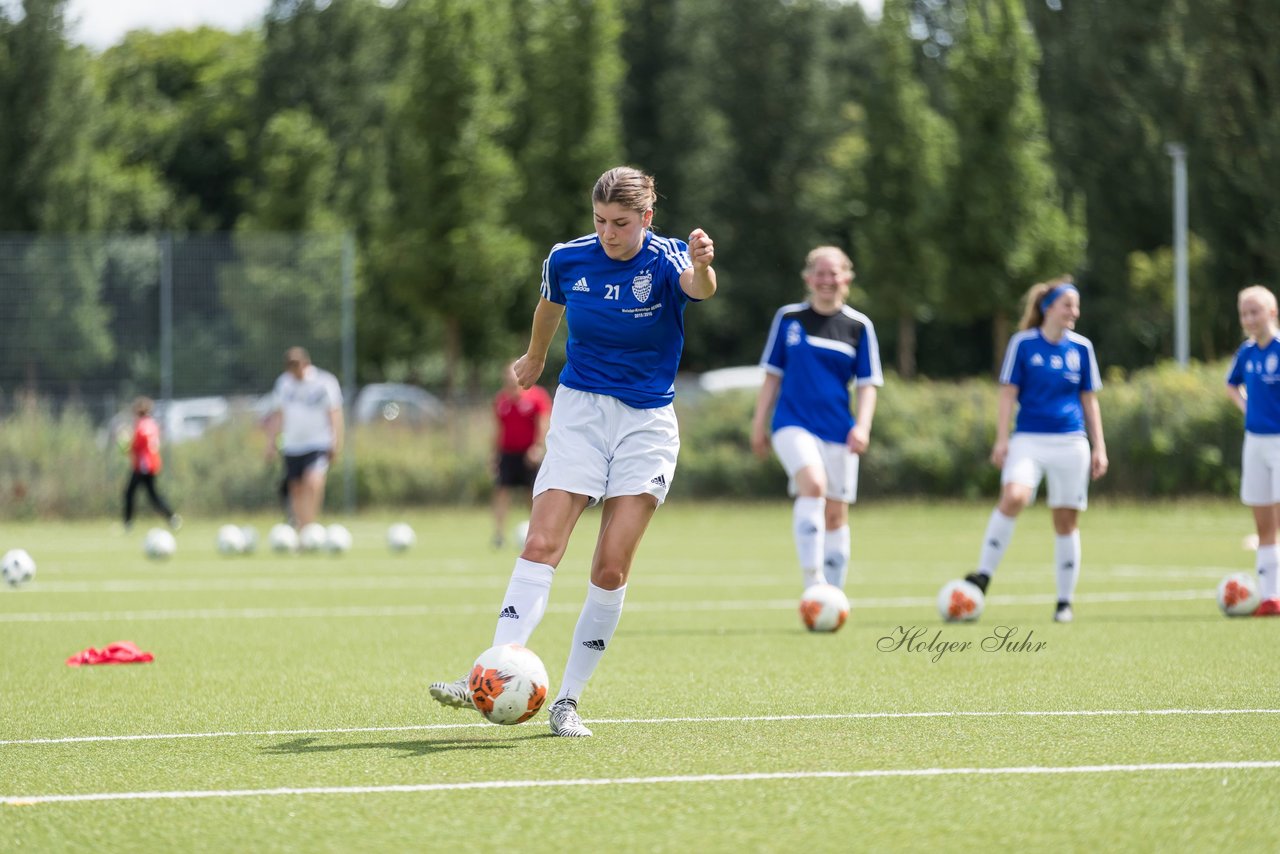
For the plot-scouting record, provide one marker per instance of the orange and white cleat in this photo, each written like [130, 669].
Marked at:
[1268, 608]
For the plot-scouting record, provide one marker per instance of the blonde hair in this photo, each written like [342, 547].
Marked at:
[1258, 292]
[1032, 313]
[835, 251]
[625, 186]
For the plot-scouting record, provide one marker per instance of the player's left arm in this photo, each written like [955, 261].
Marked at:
[699, 281]
[1093, 424]
[860, 435]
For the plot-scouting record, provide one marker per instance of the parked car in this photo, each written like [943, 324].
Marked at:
[397, 402]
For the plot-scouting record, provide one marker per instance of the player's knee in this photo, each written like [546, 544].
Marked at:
[608, 577]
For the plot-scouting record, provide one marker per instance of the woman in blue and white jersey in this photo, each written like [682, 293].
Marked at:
[814, 351]
[1253, 382]
[1052, 375]
[613, 435]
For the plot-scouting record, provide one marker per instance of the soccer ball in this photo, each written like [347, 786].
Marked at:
[519, 534]
[960, 601]
[231, 540]
[508, 684]
[823, 608]
[17, 567]
[312, 537]
[337, 539]
[159, 544]
[250, 535]
[1238, 594]
[400, 537]
[283, 538]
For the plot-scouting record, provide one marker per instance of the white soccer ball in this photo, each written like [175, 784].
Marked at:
[17, 567]
[520, 533]
[231, 540]
[400, 537]
[508, 684]
[337, 539]
[960, 601]
[250, 535]
[159, 544]
[1238, 594]
[823, 608]
[312, 537]
[283, 538]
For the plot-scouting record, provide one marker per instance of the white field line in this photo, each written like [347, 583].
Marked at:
[562, 608]
[872, 773]
[737, 719]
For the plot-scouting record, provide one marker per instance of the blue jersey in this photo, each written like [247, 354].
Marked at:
[1050, 378]
[626, 318]
[817, 355]
[1255, 368]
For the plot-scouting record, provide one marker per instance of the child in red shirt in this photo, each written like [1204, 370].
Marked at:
[144, 456]
[522, 416]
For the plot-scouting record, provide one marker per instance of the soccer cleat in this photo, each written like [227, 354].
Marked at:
[565, 720]
[1268, 608]
[979, 580]
[455, 694]
[1064, 614]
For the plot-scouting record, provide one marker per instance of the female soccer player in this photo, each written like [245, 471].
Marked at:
[813, 352]
[613, 433]
[1253, 382]
[1053, 375]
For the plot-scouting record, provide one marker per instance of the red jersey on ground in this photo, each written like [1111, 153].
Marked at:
[518, 416]
[145, 450]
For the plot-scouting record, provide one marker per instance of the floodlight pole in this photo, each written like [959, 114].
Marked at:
[1181, 323]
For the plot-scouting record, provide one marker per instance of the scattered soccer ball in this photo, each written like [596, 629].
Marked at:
[1238, 594]
[312, 537]
[17, 567]
[283, 539]
[337, 539]
[400, 537]
[159, 544]
[520, 533]
[250, 535]
[824, 608]
[508, 684]
[231, 540]
[960, 601]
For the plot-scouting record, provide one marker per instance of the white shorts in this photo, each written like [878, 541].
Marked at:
[1260, 470]
[1063, 459]
[797, 448]
[599, 447]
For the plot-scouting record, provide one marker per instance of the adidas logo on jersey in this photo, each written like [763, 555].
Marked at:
[597, 645]
[659, 480]
[508, 613]
[1037, 359]
[581, 285]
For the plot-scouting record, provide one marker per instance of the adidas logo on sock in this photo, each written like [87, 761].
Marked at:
[659, 480]
[508, 612]
[597, 645]
[581, 285]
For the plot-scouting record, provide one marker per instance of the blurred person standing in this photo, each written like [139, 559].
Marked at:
[814, 351]
[305, 427]
[522, 415]
[145, 464]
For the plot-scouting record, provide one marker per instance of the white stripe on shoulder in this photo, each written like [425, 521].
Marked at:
[666, 247]
[773, 330]
[584, 240]
[871, 345]
[1011, 352]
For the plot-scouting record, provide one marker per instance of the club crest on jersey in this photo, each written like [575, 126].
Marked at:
[794, 333]
[1271, 363]
[642, 286]
[1073, 361]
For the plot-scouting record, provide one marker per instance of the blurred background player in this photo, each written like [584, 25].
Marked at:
[1053, 375]
[613, 434]
[1253, 382]
[145, 464]
[522, 415]
[814, 350]
[306, 428]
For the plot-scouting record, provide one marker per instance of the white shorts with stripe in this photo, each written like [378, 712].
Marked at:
[1260, 470]
[599, 447]
[797, 448]
[1061, 458]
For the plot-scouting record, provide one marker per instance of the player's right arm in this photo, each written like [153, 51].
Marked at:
[765, 401]
[546, 320]
[1004, 416]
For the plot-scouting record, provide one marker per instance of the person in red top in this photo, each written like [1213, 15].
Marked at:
[144, 455]
[522, 416]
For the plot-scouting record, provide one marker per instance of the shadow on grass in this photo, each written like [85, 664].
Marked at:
[407, 749]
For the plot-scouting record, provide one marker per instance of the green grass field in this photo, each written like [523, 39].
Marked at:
[286, 709]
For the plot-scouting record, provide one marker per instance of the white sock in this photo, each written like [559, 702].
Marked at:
[807, 524]
[1268, 565]
[591, 637]
[996, 539]
[836, 565]
[524, 603]
[1066, 557]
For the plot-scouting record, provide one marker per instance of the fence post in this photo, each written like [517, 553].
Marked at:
[349, 368]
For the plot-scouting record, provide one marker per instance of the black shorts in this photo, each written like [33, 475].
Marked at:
[514, 470]
[297, 465]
